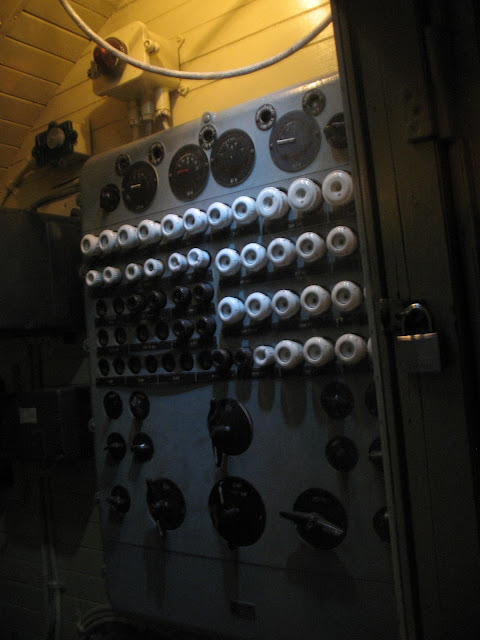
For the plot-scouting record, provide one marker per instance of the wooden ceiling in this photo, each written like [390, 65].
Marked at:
[39, 44]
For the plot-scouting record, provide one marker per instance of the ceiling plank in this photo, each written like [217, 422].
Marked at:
[7, 154]
[36, 62]
[12, 133]
[8, 10]
[18, 110]
[22, 85]
[105, 7]
[54, 12]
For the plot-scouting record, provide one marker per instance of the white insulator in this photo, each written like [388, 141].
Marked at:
[263, 356]
[149, 231]
[346, 295]
[228, 262]
[281, 252]
[195, 221]
[172, 226]
[107, 241]
[272, 203]
[304, 195]
[133, 272]
[350, 348]
[89, 245]
[244, 210]
[258, 306]
[111, 275]
[318, 351]
[285, 303]
[310, 246]
[177, 263]
[153, 268]
[94, 278]
[337, 188]
[315, 300]
[254, 256]
[288, 354]
[127, 237]
[219, 215]
[342, 241]
[198, 258]
[230, 310]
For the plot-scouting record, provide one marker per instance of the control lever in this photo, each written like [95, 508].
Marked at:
[313, 520]
[230, 428]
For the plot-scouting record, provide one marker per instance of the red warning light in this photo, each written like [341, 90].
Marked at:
[107, 63]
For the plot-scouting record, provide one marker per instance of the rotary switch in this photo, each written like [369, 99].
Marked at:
[230, 428]
[112, 403]
[237, 511]
[119, 499]
[139, 405]
[166, 504]
[142, 447]
[337, 400]
[116, 446]
[320, 519]
[341, 453]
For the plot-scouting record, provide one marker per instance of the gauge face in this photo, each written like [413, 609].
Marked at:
[139, 186]
[233, 157]
[294, 141]
[188, 173]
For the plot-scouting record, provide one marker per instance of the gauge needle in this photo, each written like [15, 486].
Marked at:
[138, 185]
[286, 141]
[182, 171]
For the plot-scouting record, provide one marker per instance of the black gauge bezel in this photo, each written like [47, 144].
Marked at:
[122, 164]
[207, 136]
[188, 187]
[228, 172]
[294, 141]
[265, 117]
[156, 153]
[314, 101]
[143, 196]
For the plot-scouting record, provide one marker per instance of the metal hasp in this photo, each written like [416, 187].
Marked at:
[418, 352]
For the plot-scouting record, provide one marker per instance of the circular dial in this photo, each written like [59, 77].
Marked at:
[139, 186]
[233, 157]
[230, 428]
[165, 503]
[188, 172]
[341, 453]
[237, 511]
[294, 141]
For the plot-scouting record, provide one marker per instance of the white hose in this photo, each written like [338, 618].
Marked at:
[194, 75]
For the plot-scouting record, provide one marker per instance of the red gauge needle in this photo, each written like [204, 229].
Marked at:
[182, 171]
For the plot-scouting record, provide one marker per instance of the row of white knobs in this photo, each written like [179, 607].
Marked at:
[317, 351]
[304, 195]
[281, 252]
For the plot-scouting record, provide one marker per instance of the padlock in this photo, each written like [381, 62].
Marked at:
[418, 352]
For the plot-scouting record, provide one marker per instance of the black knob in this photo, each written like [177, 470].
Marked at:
[151, 363]
[335, 132]
[381, 524]
[342, 453]
[204, 359]
[156, 300]
[230, 428]
[206, 326]
[139, 405]
[169, 362]
[319, 517]
[116, 447]
[102, 337]
[136, 302]
[222, 359]
[181, 296]
[183, 328]
[109, 198]
[112, 403]
[119, 499]
[203, 292]
[104, 366]
[162, 330]
[143, 333]
[142, 447]
[119, 366]
[337, 400]
[165, 503]
[237, 511]
[118, 305]
[375, 453]
[244, 358]
[101, 308]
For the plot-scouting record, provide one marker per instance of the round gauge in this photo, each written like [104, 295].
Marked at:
[294, 141]
[233, 157]
[188, 172]
[156, 153]
[122, 164]
[139, 186]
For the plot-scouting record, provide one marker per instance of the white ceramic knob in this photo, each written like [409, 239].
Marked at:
[346, 295]
[244, 210]
[318, 351]
[285, 303]
[153, 268]
[111, 275]
[315, 300]
[281, 252]
[263, 356]
[177, 263]
[172, 226]
[342, 241]
[350, 348]
[310, 246]
[89, 245]
[219, 215]
[149, 231]
[337, 188]
[198, 258]
[272, 203]
[254, 256]
[127, 237]
[288, 354]
[107, 241]
[94, 278]
[230, 310]
[228, 262]
[258, 306]
[304, 195]
[195, 221]
[133, 272]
